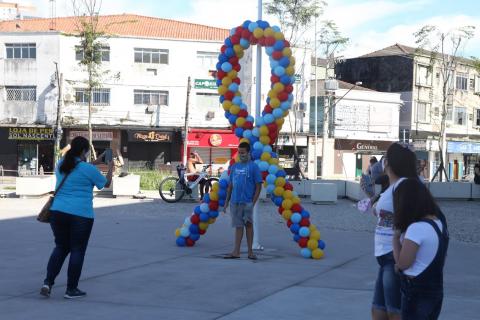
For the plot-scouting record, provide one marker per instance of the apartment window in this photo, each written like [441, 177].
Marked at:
[477, 84]
[150, 97]
[449, 116]
[422, 109]
[21, 93]
[436, 111]
[424, 76]
[477, 118]
[101, 96]
[207, 100]
[207, 60]
[104, 53]
[462, 81]
[21, 50]
[460, 116]
[151, 55]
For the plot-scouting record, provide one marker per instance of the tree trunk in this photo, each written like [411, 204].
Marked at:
[93, 155]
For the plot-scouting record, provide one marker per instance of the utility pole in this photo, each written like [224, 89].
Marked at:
[185, 140]
[316, 107]
[58, 134]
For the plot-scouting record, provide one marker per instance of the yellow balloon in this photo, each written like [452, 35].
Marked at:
[280, 122]
[312, 244]
[290, 70]
[287, 52]
[211, 220]
[203, 225]
[273, 161]
[215, 187]
[263, 130]
[317, 254]
[288, 194]
[232, 74]
[245, 140]
[280, 181]
[292, 61]
[287, 214]
[265, 140]
[275, 103]
[272, 94]
[226, 81]
[312, 228]
[269, 32]
[237, 48]
[296, 200]
[278, 87]
[287, 203]
[222, 90]
[315, 235]
[227, 104]
[265, 156]
[258, 33]
[234, 109]
[213, 196]
[278, 191]
[240, 54]
[240, 121]
[279, 36]
[177, 233]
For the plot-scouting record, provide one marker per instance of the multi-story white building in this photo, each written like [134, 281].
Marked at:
[139, 107]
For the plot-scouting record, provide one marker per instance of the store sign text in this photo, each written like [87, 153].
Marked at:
[31, 134]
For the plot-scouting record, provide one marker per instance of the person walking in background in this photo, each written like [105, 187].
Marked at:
[420, 247]
[245, 183]
[72, 214]
[400, 163]
[476, 172]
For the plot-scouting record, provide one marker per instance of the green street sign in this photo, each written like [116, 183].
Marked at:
[205, 84]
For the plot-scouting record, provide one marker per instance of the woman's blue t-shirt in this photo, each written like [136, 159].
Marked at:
[76, 194]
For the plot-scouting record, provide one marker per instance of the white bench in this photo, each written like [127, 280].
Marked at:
[324, 193]
[34, 185]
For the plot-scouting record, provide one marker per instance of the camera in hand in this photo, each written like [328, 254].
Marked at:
[107, 156]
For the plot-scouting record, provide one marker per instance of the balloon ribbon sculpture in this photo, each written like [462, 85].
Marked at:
[260, 136]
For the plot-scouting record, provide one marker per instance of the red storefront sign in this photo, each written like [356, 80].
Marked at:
[212, 138]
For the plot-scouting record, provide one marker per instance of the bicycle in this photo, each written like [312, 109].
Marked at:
[173, 189]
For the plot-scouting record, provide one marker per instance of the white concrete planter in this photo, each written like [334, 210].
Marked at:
[324, 192]
[34, 185]
[451, 190]
[341, 186]
[299, 187]
[126, 186]
[353, 191]
[475, 191]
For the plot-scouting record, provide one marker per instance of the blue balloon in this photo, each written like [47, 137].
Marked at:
[277, 113]
[285, 79]
[259, 122]
[296, 238]
[279, 45]
[267, 149]
[228, 42]
[252, 26]
[272, 169]
[264, 113]
[285, 105]
[227, 114]
[222, 194]
[222, 58]
[269, 50]
[321, 244]
[271, 179]
[253, 139]
[194, 228]
[197, 210]
[305, 214]
[234, 88]
[296, 218]
[237, 99]
[218, 66]
[258, 146]
[239, 132]
[229, 52]
[256, 154]
[263, 24]
[276, 28]
[281, 173]
[250, 118]
[223, 183]
[270, 189]
[278, 201]
[284, 62]
[263, 166]
[290, 97]
[274, 64]
[246, 23]
[244, 43]
[295, 228]
[213, 214]
[180, 241]
[274, 155]
[306, 253]
[278, 71]
[255, 132]
[227, 67]
[247, 133]
[232, 119]
[219, 83]
[221, 202]
[194, 236]
[269, 118]
[221, 99]
[304, 231]
[204, 217]
[204, 208]
[206, 198]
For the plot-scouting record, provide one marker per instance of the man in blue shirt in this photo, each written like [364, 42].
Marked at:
[245, 183]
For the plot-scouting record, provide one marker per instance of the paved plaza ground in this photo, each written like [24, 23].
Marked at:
[133, 270]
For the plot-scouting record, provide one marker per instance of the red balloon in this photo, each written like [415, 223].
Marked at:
[190, 242]
[213, 205]
[270, 41]
[243, 113]
[234, 126]
[246, 34]
[202, 231]
[286, 44]
[195, 219]
[239, 30]
[289, 88]
[264, 175]
[253, 40]
[268, 109]
[283, 96]
[229, 95]
[235, 39]
[289, 223]
[305, 222]
[232, 162]
[288, 186]
[221, 74]
[236, 80]
[248, 125]
[274, 79]
[277, 55]
[273, 137]
[233, 60]
[261, 41]
[272, 127]
[280, 210]
[224, 47]
[236, 67]
[303, 242]
[296, 208]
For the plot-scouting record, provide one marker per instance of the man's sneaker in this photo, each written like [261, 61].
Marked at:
[74, 294]
[46, 290]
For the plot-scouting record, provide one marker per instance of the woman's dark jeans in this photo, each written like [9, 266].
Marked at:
[71, 237]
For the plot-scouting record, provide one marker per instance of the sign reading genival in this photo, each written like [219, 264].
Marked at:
[362, 145]
[149, 136]
[16, 133]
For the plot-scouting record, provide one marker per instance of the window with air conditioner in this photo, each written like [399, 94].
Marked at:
[101, 96]
[21, 50]
[156, 56]
[424, 76]
[21, 93]
[460, 116]
[150, 97]
[462, 81]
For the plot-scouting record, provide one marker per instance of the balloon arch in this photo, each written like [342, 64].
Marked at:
[260, 133]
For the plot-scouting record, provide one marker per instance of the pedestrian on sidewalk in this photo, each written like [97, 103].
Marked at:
[72, 214]
[399, 163]
[476, 173]
[245, 183]
[420, 246]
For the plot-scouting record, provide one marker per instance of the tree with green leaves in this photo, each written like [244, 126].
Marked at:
[443, 49]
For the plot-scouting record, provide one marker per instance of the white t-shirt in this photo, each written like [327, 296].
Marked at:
[384, 229]
[423, 234]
